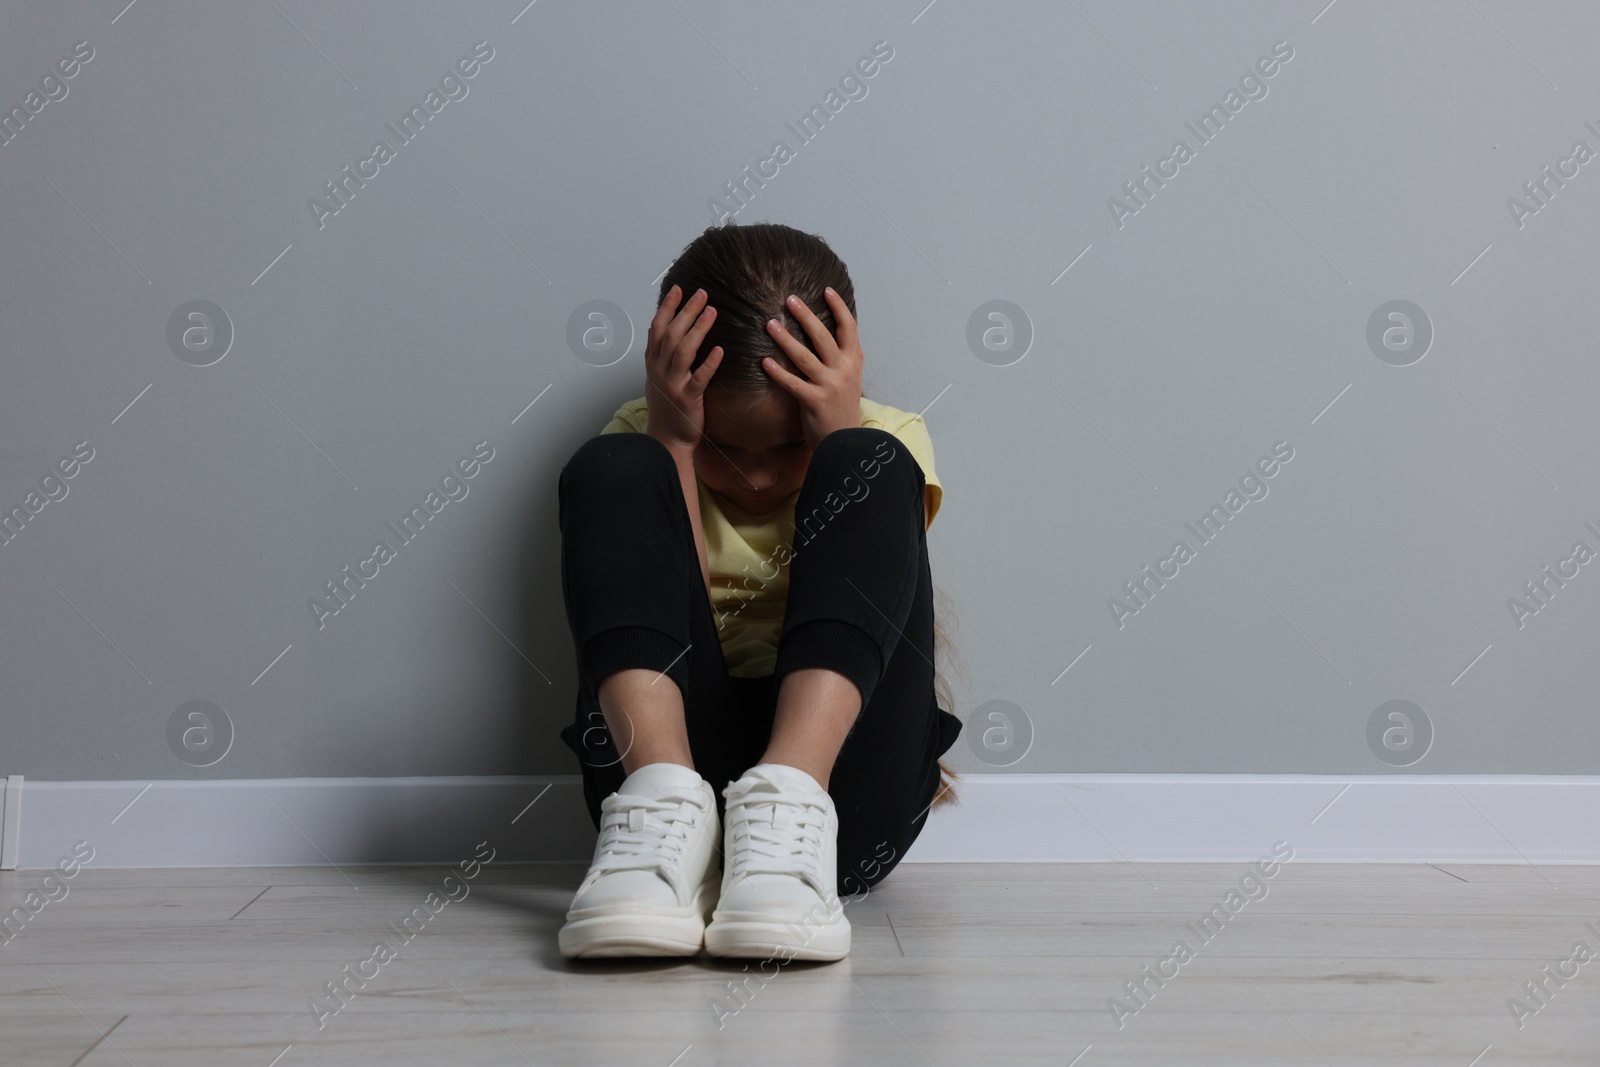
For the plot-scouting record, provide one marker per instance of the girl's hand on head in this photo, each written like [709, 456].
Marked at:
[831, 398]
[674, 397]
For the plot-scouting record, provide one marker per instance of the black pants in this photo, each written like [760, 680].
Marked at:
[860, 602]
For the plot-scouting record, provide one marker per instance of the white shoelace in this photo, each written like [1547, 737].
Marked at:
[631, 843]
[776, 833]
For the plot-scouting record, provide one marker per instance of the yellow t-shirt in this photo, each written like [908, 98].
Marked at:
[749, 571]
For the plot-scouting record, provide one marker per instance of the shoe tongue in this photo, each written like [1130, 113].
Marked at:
[655, 779]
[779, 777]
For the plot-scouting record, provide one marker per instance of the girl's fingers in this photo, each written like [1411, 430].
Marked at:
[682, 321]
[702, 375]
[821, 340]
[846, 321]
[797, 388]
[803, 357]
[683, 353]
[668, 308]
[661, 321]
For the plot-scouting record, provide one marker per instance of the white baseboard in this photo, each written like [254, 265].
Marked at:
[1001, 818]
[1215, 818]
[10, 818]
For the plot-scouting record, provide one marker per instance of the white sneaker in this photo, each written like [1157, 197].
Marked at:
[780, 866]
[654, 876]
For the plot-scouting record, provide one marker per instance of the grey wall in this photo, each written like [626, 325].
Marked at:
[1125, 396]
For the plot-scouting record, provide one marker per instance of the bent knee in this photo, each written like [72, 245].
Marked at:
[869, 451]
[856, 439]
[610, 456]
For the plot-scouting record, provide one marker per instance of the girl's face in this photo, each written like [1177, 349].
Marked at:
[753, 451]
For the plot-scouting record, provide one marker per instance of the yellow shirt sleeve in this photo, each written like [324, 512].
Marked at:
[632, 417]
[912, 432]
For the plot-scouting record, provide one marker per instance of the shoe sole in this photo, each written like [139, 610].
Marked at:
[640, 933]
[749, 939]
[631, 935]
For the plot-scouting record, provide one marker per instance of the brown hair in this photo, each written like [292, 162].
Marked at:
[748, 271]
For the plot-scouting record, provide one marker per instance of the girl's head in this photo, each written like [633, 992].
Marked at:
[754, 451]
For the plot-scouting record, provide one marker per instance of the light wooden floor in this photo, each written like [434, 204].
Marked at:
[952, 964]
